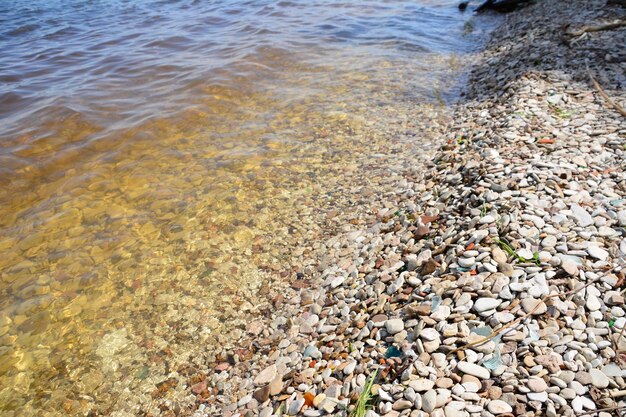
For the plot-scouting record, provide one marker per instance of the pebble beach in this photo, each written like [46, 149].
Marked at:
[485, 279]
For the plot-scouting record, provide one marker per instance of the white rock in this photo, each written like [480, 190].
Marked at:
[421, 385]
[429, 399]
[487, 219]
[542, 397]
[266, 376]
[499, 407]
[530, 304]
[580, 403]
[598, 378]
[466, 262]
[394, 326]
[549, 241]
[473, 369]
[429, 334]
[484, 304]
[593, 303]
[582, 216]
[597, 252]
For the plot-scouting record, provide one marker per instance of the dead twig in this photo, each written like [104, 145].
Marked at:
[594, 28]
[599, 410]
[604, 95]
[519, 319]
[618, 394]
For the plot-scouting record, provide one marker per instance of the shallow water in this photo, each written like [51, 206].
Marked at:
[151, 154]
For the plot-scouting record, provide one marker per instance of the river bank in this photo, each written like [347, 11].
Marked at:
[515, 230]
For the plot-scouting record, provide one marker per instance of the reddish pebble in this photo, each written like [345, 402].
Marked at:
[199, 388]
[222, 366]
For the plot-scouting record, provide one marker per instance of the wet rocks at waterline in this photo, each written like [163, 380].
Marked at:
[491, 284]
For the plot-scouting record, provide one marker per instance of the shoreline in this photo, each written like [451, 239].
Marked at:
[517, 223]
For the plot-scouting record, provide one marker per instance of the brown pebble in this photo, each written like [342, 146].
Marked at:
[494, 393]
[262, 394]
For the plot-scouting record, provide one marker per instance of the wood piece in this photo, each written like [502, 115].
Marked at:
[606, 97]
[594, 28]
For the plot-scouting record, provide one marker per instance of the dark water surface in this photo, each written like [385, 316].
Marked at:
[150, 151]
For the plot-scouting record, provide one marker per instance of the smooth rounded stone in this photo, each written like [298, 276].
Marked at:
[487, 219]
[549, 241]
[499, 407]
[580, 403]
[262, 394]
[429, 400]
[266, 412]
[498, 255]
[504, 317]
[318, 400]
[466, 262]
[584, 378]
[494, 392]
[598, 378]
[579, 388]
[537, 384]
[569, 266]
[402, 405]
[506, 269]
[429, 334]
[439, 359]
[450, 411]
[384, 395]
[421, 385]
[597, 252]
[295, 407]
[566, 376]
[471, 386]
[582, 216]
[276, 386]
[473, 369]
[446, 383]
[394, 326]
[379, 319]
[349, 368]
[484, 304]
[442, 313]
[542, 397]
[530, 304]
[525, 253]
[593, 303]
[266, 376]
[613, 298]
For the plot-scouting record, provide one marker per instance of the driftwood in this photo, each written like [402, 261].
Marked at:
[594, 28]
[605, 96]
[503, 6]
